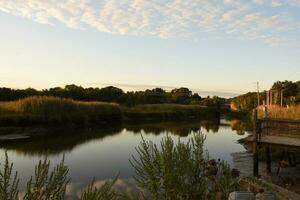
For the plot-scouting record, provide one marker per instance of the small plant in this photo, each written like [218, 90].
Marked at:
[47, 185]
[8, 182]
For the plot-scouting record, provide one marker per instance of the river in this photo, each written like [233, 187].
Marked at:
[103, 153]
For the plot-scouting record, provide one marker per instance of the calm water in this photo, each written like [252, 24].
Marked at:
[103, 153]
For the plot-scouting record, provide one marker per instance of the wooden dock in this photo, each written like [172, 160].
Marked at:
[269, 133]
[273, 152]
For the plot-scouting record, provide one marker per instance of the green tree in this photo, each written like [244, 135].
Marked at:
[110, 94]
[75, 92]
[154, 96]
[181, 95]
[290, 88]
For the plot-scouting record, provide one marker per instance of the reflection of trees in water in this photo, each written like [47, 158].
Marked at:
[176, 128]
[210, 126]
[60, 140]
[55, 142]
[241, 127]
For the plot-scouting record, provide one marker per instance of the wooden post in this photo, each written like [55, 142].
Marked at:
[281, 98]
[267, 97]
[258, 96]
[255, 153]
[266, 112]
[268, 159]
[271, 97]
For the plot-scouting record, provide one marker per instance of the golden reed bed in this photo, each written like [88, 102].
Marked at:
[275, 111]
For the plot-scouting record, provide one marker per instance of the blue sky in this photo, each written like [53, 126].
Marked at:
[210, 45]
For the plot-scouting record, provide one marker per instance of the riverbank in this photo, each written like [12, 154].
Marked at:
[57, 111]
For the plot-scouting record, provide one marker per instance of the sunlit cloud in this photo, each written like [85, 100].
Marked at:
[163, 18]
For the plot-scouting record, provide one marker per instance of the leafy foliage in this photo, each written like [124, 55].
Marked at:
[247, 101]
[290, 88]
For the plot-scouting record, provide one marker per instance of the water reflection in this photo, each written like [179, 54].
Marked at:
[182, 129]
[241, 127]
[103, 153]
[56, 141]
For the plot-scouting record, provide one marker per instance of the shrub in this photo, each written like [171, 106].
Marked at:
[181, 171]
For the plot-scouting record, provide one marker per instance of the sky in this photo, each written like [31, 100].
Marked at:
[208, 45]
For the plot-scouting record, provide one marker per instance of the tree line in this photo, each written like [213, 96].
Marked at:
[113, 94]
[290, 91]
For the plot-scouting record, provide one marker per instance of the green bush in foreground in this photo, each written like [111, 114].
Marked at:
[174, 171]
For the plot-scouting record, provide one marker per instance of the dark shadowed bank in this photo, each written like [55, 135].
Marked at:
[41, 110]
[169, 112]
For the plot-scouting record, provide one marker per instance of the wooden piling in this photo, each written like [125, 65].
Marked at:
[268, 159]
[255, 153]
[281, 98]
[271, 97]
[268, 97]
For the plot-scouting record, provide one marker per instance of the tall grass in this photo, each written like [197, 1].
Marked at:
[168, 111]
[292, 112]
[39, 109]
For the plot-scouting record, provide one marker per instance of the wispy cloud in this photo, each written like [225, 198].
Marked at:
[162, 18]
[277, 3]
